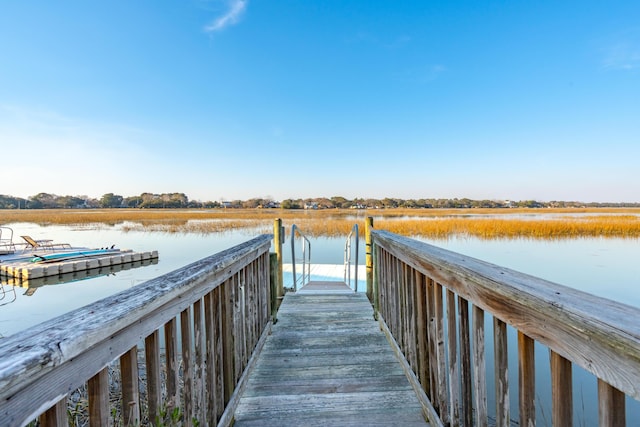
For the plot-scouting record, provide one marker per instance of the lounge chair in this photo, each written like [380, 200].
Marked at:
[44, 244]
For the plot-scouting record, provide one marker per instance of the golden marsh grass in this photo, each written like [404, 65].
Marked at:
[429, 223]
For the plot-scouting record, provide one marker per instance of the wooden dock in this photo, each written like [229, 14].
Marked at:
[327, 363]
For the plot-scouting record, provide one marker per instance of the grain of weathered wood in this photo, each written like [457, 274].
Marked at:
[600, 335]
[411, 319]
[327, 363]
[56, 416]
[42, 364]
[228, 345]
[187, 365]
[442, 391]
[611, 408]
[466, 385]
[561, 391]
[422, 332]
[198, 356]
[152, 360]
[65, 352]
[98, 390]
[479, 367]
[172, 364]
[130, 390]
[209, 369]
[452, 356]
[433, 346]
[501, 373]
[369, 256]
[526, 380]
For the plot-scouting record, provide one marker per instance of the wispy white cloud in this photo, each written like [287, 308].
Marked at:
[231, 17]
[422, 74]
[623, 53]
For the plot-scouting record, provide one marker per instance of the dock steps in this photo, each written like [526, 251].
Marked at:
[327, 363]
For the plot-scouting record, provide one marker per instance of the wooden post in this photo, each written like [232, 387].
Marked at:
[273, 273]
[278, 240]
[369, 257]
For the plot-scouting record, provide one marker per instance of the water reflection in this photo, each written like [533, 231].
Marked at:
[604, 267]
[31, 285]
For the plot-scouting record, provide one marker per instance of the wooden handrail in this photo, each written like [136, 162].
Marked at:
[414, 279]
[223, 302]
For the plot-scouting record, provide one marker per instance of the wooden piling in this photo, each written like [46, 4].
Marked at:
[278, 240]
[369, 257]
[273, 272]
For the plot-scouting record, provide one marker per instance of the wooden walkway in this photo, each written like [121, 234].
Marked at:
[327, 363]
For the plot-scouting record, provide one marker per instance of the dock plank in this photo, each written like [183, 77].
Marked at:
[327, 363]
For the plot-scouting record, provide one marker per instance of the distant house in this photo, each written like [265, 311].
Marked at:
[226, 204]
[270, 205]
[312, 205]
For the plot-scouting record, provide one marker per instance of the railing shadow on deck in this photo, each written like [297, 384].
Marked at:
[211, 315]
[432, 303]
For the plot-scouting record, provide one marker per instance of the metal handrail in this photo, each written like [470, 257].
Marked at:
[347, 258]
[306, 258]
[6, 243]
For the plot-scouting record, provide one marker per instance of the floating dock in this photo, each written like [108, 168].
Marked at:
[32, 284]
[27, 270]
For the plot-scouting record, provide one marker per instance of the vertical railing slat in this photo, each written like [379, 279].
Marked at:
[422, 332]
[442, 391]
[210, 348]
[238, 323]
[433, 345]
[56, 416]
[561, 391]
[412, 317]
[187, 365]
[130, 390]
[219, 343]
[611, 406]
[526, 380]
[452, 353]
[227, 301]
[466, 396]
[198, 363]
[501, 373]
[98, 390]
[403, 307]
[172, 365]
[479, 367]
[152, 361]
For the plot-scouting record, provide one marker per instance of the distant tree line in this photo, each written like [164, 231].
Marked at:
[180, 200]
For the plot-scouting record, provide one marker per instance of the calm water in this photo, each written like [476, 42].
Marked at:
[605, 267]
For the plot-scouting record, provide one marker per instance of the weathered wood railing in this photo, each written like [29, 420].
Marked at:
[211, 315]
[433, 302]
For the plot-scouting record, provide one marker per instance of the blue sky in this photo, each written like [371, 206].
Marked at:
[293, 99]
